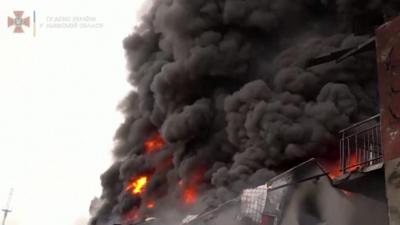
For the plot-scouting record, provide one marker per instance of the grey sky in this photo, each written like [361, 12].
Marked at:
[58, 97]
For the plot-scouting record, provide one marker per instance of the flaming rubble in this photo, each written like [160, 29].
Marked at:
[137, 186]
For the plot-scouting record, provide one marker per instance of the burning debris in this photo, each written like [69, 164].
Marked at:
[225, 99]
[137, 186]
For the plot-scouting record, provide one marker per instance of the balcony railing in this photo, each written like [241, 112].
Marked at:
[360, 145]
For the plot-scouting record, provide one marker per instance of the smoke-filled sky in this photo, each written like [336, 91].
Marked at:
[58, 97]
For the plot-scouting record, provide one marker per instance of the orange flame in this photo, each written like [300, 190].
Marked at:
[153, 144]
[138, 185]
[190, 196]
[190, 187]
[335, 170]
[353, 163]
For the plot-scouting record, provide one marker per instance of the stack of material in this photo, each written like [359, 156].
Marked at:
[253, 203]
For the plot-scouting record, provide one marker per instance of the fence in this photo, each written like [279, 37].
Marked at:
[360, 145]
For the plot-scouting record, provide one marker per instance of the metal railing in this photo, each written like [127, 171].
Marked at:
[360, 145]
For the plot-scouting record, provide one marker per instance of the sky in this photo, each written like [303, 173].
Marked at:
[59, 92]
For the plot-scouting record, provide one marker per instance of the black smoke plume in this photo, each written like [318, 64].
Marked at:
[226, 84]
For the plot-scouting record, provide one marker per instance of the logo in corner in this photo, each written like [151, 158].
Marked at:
[18, 21]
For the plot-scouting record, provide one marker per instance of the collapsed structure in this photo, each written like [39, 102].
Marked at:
[231, 93]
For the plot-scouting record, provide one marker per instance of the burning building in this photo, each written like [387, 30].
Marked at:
[361, 187]
[230, 93]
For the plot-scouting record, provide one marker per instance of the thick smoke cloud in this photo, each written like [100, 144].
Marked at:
[226, 84]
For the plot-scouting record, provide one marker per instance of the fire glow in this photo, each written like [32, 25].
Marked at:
[190, 188]
[190, 196]
[137, 186]
[335, 169]
[131, 215]
[151, 204]
[154, 144]
[353, 163]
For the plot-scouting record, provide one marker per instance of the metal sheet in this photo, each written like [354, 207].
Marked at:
[388, 58]
[253, 203]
